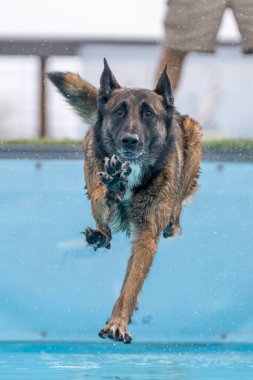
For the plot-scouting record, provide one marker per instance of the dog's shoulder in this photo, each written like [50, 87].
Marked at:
[90, 153]
[92, 163]
[192, 130]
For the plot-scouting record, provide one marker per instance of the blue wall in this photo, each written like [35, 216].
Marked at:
[200, 287]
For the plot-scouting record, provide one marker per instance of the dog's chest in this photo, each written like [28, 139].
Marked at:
[134, 179]
[120, 220]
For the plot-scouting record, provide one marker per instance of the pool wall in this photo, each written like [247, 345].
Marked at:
[200, 288]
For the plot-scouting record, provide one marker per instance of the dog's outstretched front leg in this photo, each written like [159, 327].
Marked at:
[143, 251]
[105, 198]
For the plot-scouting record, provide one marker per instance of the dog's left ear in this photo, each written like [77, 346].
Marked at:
[108, 82]
[163, 88]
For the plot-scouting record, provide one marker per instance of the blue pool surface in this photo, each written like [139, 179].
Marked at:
[115, 361]
[54, 289]
[200, 287]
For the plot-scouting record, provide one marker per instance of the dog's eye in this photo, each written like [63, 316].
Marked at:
[119, 112]
[148, 113]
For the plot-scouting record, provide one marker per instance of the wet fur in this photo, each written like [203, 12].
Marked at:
[152, 204]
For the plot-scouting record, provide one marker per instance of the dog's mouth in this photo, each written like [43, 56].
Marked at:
[130, 155]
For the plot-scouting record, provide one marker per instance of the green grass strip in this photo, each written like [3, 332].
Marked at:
[221, 144]
[40, 141]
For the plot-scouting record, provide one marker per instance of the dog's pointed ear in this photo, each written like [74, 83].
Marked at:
[108, 82]
[163, 88]
[79, 93]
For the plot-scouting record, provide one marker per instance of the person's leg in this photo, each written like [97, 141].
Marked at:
[174, 60]
[243, 11]
[189, 28]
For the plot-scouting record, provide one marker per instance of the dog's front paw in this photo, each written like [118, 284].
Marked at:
[114, 178]
[96, 239]
[116, 329]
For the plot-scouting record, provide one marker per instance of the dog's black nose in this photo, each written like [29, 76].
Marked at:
[129, 140]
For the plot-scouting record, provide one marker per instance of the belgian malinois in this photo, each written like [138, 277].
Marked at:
[141, 162]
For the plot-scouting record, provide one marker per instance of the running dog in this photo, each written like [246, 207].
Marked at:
[141, 162]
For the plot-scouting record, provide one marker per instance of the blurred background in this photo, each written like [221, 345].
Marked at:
[51, 287]
[36, 37]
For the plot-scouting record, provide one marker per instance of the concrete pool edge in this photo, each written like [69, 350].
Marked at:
[74, 151]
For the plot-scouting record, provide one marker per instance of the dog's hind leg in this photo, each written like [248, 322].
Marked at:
[173, 228]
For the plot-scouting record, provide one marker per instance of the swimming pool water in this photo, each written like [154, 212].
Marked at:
[52, 286]
[53, 289]
[115, 361]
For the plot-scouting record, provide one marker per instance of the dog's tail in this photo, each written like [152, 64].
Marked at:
[80, 94]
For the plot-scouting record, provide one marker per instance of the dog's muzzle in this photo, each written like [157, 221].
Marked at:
[130, 146]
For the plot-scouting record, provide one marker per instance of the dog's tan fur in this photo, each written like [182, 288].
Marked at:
[151, 208]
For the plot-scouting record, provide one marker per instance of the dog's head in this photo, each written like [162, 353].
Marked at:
[132, 122]
[135, 124]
